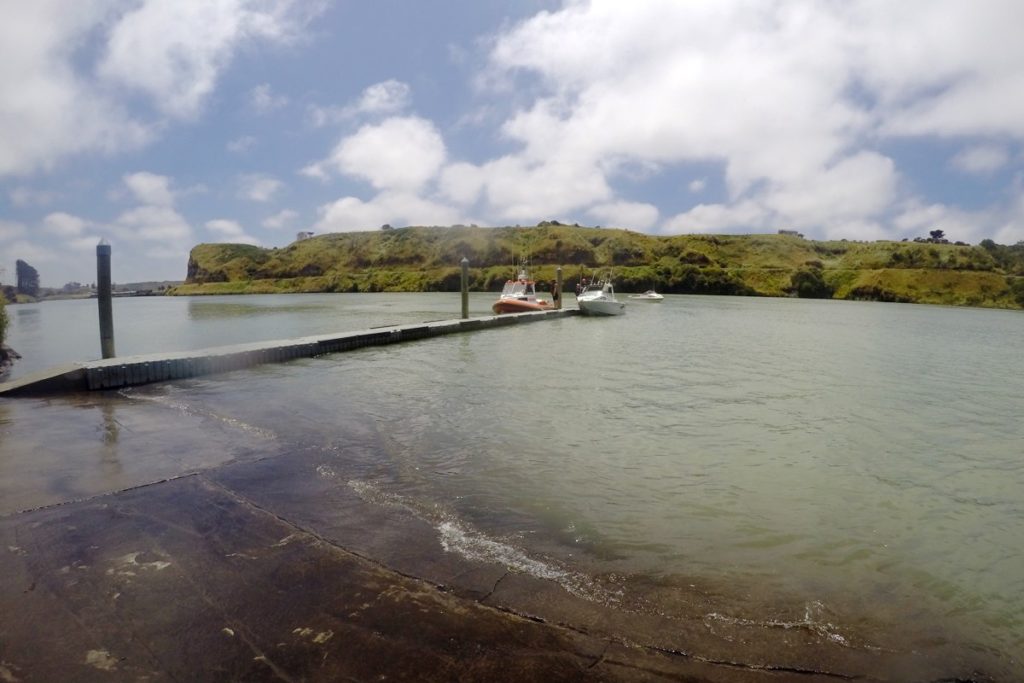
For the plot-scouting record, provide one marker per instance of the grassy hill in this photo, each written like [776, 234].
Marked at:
[427, 259]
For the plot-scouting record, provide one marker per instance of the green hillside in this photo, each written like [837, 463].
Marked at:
[427, 259]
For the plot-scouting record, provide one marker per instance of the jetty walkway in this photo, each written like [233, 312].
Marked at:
[115, 373]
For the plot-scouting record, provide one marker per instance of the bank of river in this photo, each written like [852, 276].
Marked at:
[749, 469]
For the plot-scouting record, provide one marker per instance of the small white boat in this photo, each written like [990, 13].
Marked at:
[649, 295]
[599, 299]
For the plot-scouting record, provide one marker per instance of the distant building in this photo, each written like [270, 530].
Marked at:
[303, 236]
[794, 233]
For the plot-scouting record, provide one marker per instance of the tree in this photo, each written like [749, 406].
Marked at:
[28, 278]
[1017, 291]
[937, 235]
[809, 283]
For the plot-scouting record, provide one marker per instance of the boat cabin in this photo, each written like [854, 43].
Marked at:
[518, 289]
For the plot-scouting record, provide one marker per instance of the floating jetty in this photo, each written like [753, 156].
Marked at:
[115, 373]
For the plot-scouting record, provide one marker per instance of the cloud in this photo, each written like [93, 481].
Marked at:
[710, 218]
[634, 215]
[24, 197]
[50, 109]
[384, 98]
[241, 144]
[263, 100]
[795, 100]
[154, 224]
[64, 225]
[70, 71]
[397, 208]
[981, 159]
[230, 231]
[461, 182]
[862, 185]
[258, 188]
[400, 153]
[10, 230]
[521, 189]
[150, 188]
[175, 51]
[698, 185]
[281, 220]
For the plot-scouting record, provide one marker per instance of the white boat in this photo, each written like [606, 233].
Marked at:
[599, 299]
[649, 295]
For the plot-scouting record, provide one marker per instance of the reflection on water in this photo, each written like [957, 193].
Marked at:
[743, 464]
[27, 316]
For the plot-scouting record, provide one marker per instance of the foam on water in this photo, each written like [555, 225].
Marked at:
[813, 621]
[460, 538]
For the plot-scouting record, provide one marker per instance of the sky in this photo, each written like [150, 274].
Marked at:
[161, 124]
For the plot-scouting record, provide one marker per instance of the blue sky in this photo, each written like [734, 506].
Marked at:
[160, 124]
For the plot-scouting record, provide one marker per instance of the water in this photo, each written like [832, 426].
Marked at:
[861, 462]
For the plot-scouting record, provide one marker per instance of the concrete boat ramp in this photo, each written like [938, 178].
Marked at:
[115, 373]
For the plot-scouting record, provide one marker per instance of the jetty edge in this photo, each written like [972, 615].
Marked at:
[116, 373]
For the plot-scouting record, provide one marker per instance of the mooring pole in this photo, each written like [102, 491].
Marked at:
[465, 287]
[558, 288]
[104, 296]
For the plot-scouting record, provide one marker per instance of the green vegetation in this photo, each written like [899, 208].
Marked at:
[427, 259]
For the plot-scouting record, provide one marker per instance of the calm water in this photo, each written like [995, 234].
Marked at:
[863, 460]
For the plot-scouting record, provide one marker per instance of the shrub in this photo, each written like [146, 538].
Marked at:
[808, 283]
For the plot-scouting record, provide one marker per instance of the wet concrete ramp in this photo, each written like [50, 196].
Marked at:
[182, 580]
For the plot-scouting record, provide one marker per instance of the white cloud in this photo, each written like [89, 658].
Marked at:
[697, 186]
[981, 159]
[401, 153]
[241, 144]
[632, 215]
[230, 231]
[154, 224]
[461, 183]
[64, 225]
[264, 100]
[281, 220]
[783, 95]
[518, 189]
[55, 102]
[24, 196]
[396, 208]
[175, 51]
[384, 98]
[387, 97]
[710, 218]
[150, 188]
[48, 109]
[258, 188]
[10, 230]
[859, 186]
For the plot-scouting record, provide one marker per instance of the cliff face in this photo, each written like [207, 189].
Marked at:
[427, 259]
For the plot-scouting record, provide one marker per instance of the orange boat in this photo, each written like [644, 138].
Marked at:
[520, 296]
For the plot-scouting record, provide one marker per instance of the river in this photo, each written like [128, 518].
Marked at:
[859, 463]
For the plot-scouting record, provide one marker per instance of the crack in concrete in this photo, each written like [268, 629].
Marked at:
[494, 587]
